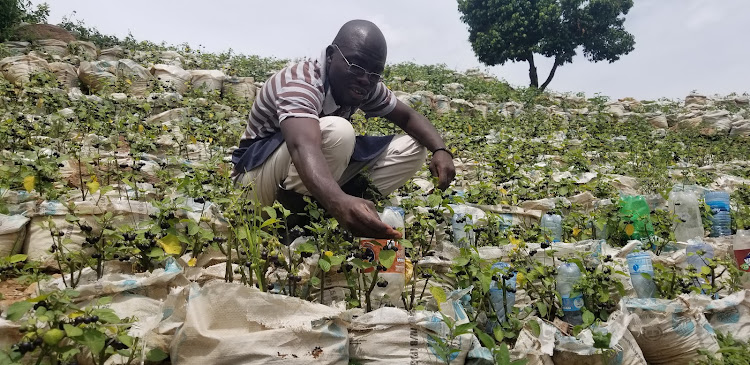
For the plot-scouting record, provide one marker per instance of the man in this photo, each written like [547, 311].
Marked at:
[298, 138]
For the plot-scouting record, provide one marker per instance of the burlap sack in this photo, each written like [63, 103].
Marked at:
[670, 332]
[172, 77]
[86, 50]
[209, 80]
[18, 69]
[243, 87]
[52, 47]
[12, 233]
[97, 75]
[580, 350]
[39, 238]
[252, 327]
[135, 75]
[731, 315]
[67, 75]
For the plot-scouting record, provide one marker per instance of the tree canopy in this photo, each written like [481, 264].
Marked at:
[515, 30]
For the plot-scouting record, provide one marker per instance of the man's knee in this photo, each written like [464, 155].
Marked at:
[337, 132]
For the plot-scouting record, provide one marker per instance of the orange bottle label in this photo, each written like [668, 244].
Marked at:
[373, 247]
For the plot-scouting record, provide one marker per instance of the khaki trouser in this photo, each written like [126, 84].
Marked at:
[400, 161]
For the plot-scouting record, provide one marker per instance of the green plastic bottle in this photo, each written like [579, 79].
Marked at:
[635, 210]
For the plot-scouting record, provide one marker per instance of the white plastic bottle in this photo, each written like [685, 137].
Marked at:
[552, 227]
[394, 275]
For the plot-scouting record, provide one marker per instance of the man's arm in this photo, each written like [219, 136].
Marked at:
[420, 128]
[304, 142]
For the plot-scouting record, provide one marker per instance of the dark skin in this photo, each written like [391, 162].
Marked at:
[303, 138]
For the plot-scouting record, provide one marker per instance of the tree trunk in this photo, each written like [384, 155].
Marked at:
[551, 75]
[532, 72]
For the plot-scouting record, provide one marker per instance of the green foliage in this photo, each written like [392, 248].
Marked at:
[502, 31]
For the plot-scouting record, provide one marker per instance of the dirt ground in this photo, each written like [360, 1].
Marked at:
[12, 291]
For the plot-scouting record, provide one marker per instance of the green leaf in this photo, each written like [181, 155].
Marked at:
[126, 340]
[104, 301]
[464, 328]
[192, 228]
[17, 310]
[439, 294]
[107, 315]
[542, 307]
[72, 331]
[405, 243]
[336, 260]
[17, 258]
[155, 252]
[315, 281]
[503, 354]
[306, 247]
[93, 339]
[156, 355]
[487, 340]
[269, 222]
[386, 258]
[588, 318]
[498, 333]
[324, 263]
[434, 200]
[705, 270]
[536, 330]
[270, 211]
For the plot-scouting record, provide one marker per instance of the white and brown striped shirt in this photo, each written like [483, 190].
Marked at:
[300, 90]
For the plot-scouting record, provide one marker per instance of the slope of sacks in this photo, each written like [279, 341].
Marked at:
[13, 230]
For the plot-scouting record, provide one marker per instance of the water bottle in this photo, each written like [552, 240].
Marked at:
[698, 254]
[458, 225]
[552, 227]
[572, 301]
[393, 275]
[640, 263]
[741, 247]
[720, 221]
[498, 295]
[637, 212]
[684, 205]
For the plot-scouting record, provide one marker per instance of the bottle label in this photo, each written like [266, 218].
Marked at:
[743, 259]
[572, 304]
[373, 248]
[641, 265]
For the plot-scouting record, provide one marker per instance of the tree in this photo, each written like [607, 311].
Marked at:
[13, 12]
[514, 30]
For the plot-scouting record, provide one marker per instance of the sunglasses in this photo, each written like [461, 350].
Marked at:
[360, 71]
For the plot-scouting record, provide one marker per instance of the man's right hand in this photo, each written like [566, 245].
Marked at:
[360, 217]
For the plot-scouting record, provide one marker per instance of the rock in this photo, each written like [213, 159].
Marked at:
[694, 98]
[33, 32]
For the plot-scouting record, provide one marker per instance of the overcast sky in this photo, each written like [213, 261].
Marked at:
[681, 45]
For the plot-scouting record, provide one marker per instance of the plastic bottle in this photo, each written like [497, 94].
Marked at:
[552, 227]
[636, 210]
[640, 263]
[741, 247]
[458, 225]
[394, 275]
[684, 205]
[698, 253]
[572, 302]
[721, 221]
[498, 295]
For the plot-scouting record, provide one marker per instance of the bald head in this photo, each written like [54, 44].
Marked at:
[362, 35]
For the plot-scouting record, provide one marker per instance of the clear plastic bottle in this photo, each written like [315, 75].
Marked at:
[640, 263]
[498, 295]
[572, 302]
[721, 220]
[458, 226]
[393, 275]
[684, 205]
[698, 253]
[552, 227]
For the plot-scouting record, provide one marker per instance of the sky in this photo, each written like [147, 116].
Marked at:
[681, 45]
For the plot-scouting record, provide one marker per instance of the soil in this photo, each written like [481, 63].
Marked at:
[12, 291]
[32, 32]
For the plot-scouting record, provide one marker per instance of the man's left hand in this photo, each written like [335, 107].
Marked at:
[442, 167]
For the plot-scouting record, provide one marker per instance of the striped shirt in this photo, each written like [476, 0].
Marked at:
[300, 91]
